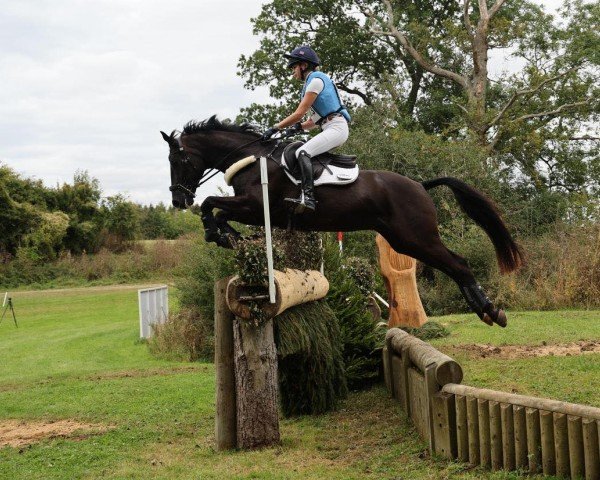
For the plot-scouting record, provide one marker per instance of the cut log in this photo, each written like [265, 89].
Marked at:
[292, 287]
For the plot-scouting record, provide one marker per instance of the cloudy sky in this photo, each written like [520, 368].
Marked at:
[88, 84]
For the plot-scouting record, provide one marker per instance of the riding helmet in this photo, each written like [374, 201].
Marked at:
[302, 54]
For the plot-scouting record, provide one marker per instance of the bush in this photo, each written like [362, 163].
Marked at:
[183, 337]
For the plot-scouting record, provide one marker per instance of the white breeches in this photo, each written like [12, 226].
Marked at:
[334, 134]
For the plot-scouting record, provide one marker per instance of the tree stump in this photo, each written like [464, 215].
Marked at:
[256, 384]
[399, 274]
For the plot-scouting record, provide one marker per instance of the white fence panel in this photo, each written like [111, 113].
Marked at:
[154, 308]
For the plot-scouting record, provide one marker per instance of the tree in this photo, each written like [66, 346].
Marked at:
[121, 219]
[429, 62]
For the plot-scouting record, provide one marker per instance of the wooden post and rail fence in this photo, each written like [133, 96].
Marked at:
[493, 429]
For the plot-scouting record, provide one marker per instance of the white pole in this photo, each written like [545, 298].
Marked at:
[381, 299]
[5, 297]
[264, 180]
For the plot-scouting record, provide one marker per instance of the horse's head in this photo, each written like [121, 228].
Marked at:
[184, 174]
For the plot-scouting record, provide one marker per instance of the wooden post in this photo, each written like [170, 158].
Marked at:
[520, 427]
[256, 383]
[399, 273]
[462, 428]
[473, 425]
[547, 435]
[508, 436]
[561, 445]
[225, 405]
[576, 457]
[484, 433]
[534, 441]
[444, 424]
[496, 436]
[590, 448]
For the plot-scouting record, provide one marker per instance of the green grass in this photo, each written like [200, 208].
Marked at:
[76, 355]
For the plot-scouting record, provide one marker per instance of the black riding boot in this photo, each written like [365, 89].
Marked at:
[306, 201]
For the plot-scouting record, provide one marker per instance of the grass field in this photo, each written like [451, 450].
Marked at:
[76, 356]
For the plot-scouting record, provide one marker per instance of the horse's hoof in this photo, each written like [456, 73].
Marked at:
[487, 320]
[501, 318]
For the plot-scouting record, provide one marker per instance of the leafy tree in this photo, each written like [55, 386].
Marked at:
[17, 216]
[428, 61]
[121, 218]
[45, 241]
[81, 202]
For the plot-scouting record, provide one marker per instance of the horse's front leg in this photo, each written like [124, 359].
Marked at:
[231, 207]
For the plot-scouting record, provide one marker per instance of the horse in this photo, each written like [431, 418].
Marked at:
[398, 208]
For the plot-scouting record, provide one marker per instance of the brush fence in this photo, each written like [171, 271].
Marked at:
[495, 430]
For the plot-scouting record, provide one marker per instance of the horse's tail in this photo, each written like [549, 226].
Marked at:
[483, 211]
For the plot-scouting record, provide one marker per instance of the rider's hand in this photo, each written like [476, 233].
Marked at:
[296, 127]
[269, 133]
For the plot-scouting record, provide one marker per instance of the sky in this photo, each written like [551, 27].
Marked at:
[88, 85]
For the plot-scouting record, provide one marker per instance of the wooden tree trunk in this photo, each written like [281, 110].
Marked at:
[256, 384]
[399, 273]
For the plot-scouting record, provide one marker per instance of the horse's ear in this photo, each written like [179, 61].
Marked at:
[165, 136]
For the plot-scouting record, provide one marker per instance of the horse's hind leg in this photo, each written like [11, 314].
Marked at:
[426, 245]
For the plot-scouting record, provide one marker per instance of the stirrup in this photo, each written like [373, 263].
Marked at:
[300, 205]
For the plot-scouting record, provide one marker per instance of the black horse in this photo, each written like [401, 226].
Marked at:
[397, 207]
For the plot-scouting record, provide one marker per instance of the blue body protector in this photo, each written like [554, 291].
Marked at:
[328, 101]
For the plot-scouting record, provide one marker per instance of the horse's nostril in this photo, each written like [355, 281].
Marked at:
[176, 203]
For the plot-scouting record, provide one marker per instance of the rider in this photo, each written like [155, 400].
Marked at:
[321, 96]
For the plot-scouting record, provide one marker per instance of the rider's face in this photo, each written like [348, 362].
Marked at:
[297, 71]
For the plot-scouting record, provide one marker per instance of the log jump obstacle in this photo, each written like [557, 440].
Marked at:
[495, 430]
[246, 357]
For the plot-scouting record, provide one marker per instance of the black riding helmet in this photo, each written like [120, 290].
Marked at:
[302, 54]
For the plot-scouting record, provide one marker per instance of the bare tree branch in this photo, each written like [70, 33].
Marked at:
[467, 20]
[354, 91]
[427, 65]
[584, 138]
[496, 7]
[461, 107]
[552, 112]
[520, 93]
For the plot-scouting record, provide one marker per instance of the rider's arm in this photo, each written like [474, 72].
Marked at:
[305, 104]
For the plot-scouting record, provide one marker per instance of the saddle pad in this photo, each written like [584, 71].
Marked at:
[338, 175]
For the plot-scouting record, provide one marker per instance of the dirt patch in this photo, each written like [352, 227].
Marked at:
[155, 372]
[525, 351]
[19, 433]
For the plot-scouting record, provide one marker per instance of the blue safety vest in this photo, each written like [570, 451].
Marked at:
[328, 101]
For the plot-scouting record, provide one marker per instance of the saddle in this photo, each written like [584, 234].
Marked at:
[328, 168]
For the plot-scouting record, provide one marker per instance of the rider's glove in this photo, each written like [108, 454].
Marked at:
[296, 127]
[269, 133]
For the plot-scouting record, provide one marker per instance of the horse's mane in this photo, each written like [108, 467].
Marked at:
[214, 124]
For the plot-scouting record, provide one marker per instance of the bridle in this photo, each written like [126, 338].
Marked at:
[189, 190]
[207, 175]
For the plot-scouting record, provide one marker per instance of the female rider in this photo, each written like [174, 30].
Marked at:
[321, 96]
